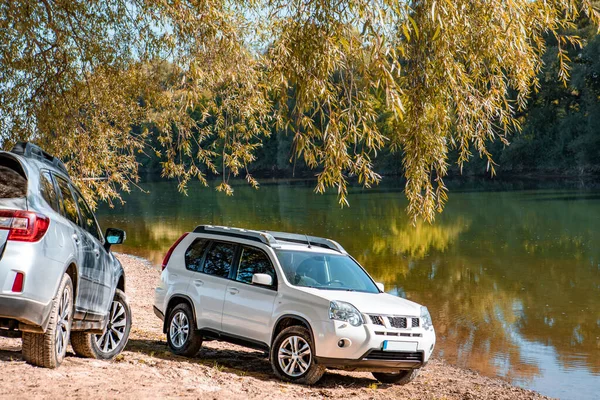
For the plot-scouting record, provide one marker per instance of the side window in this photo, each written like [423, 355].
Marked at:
[48, 191]
[219, 259]
[88, 222]
[254, 261]
[69, 206]
[194, 253]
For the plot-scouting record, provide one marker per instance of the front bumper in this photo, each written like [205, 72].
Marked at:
[363, 347]
[26, 311]
[377, 361]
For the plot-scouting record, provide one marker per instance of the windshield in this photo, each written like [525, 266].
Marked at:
[324, 271]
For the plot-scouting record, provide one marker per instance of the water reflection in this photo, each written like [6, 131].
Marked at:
[504, 274]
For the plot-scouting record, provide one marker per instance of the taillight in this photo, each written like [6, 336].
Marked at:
[17, 286]
[168, 255]
[24, 226]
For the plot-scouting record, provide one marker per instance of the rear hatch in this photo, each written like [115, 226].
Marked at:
[13, 192]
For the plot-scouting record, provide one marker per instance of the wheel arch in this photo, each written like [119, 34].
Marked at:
[121, 282]
[175, 300]
[73, 273]
[287, 320]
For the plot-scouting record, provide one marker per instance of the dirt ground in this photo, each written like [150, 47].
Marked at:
[146, 369]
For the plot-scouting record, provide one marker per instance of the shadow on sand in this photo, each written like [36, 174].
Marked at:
[242, 363]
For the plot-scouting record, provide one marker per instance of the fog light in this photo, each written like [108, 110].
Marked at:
[18, 283]
[344, 343]
[341, 343]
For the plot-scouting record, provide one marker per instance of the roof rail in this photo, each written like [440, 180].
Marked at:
[271, 238]
[308, 240]
[30, 150]
[257, 236]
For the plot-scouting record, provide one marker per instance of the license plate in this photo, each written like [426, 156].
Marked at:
[399, 346]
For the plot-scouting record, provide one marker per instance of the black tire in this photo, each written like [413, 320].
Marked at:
[183, 341]
[48, 349]
[399, 378]
[312, 374]
[90, 345]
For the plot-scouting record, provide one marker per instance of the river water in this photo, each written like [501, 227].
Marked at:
[511, 277]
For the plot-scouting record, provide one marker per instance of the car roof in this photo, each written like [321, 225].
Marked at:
[31, 165]
[275, 240]
[33, 156]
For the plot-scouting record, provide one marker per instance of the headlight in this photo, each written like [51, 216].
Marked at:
[343, 311]
[426, 318]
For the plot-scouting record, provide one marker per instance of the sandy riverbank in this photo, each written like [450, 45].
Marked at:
[147, 369]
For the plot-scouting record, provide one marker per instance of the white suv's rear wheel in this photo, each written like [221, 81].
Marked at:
[182, 337]
[293, 356]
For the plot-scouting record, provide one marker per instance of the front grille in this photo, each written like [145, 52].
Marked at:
[394, 356]
[415, 322]
[380, 333]
[377, 319]
[398, 322]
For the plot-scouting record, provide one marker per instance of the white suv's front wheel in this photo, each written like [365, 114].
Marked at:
[293, 356]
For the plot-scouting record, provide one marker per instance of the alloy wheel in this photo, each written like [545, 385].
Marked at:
[294, 356]
[179, 330]
[115, 329]
[62, 325]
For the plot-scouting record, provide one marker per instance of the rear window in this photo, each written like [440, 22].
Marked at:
[219, 259]
[194, 254]
[12, 184]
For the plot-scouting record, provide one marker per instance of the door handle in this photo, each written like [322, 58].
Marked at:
[76, 238]
[198, 282]
[233, 290]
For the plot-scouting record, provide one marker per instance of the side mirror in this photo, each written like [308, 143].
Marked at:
[262, 279]
[113, 236]
[380, 286]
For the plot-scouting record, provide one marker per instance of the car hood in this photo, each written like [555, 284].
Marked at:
[371, 303]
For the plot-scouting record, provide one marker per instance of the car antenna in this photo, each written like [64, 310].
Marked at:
[307, 240]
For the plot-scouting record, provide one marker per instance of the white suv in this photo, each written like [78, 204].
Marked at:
[303, 299]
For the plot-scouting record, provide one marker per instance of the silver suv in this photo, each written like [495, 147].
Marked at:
[59, 280]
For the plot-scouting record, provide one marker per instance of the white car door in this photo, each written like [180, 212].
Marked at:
[248, 308]
[208, 286]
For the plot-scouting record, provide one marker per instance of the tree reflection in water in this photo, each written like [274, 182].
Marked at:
[497, 270]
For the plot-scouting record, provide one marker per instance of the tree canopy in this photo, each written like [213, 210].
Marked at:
[211, 80]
